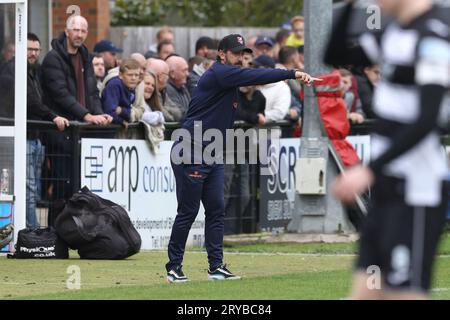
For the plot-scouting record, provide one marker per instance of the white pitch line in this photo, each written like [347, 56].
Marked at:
[296, 254]
[284, 254]
[440, 289]
[281, 253]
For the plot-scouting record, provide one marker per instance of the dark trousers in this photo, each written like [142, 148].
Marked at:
[197, 183]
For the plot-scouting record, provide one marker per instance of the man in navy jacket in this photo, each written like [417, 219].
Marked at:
[213, 105]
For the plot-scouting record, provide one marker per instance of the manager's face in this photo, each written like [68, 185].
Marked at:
[231, 58]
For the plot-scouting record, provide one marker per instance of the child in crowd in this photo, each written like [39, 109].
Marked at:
[119, 94]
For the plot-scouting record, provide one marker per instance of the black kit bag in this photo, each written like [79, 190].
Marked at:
[40, 243]
[97, 228]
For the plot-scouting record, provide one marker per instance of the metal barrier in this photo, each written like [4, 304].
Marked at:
[61, 168]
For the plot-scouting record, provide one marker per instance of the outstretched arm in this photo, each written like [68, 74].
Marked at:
[241, 77]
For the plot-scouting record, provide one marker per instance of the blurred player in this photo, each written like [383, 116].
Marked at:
[407, 169]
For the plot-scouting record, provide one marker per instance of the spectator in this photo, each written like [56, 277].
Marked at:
[165, 49]
[251, 42]
[108, 51]
[367, 79]
[36, 110]
[70, 90]
[139, 103]
[6, 94]
[99, 71]
[113, 73]
[252, 106]
[237, 176]
[247, 60]
[297, 37]
[68, 78]
[289, 58]
[152, 118]
[280, 41]
[278, 95]
[301, 54]
[193, 61]
[198, 69]
[120, 94]
[263, 46]
[164, 34]
[172, 113]
[176, 87]
[8, 52]
[355, 116]
[153, 112]
[203, 46]
[140, 59]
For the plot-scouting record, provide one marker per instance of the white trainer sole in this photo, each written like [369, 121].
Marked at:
[221, 278]
[172, 280]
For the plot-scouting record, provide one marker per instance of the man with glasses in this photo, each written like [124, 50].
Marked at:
[36, 110]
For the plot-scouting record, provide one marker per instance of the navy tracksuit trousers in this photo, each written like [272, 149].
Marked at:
[195, 183]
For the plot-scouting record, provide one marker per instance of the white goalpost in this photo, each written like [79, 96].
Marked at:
[18, 131]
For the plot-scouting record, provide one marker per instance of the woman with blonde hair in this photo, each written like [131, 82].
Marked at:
[152, 116]
[152, 112]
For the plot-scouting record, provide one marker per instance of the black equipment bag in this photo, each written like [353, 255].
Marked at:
[40, 243]
[97, 228]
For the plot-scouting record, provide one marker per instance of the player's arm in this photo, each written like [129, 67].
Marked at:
[341, 51]
[433, 78]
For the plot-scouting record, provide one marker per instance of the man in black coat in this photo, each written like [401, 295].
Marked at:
[36, 110]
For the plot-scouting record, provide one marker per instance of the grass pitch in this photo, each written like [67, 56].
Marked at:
[281, 271]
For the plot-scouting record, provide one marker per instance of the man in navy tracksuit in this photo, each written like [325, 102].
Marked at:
[213, 105]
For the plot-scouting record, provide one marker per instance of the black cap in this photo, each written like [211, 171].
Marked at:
[264, 62]
[234, 43]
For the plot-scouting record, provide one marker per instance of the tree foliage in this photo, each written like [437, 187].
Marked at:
[209, 13]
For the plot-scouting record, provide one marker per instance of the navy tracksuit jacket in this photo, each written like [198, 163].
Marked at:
[214, 103]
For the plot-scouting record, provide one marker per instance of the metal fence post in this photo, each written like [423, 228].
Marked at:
[76, 161]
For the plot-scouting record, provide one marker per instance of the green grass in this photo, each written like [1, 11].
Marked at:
[318, 248]
[275, 271]
[307, 248]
